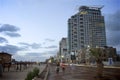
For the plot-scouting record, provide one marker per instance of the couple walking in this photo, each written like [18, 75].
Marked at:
[58, 65]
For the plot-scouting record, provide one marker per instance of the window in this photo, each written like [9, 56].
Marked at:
[82, 46]
[82, 34]
[81, 15]
[82, 37]
[81, 22]
[82, 41]
[81, 26]
[81, 18]
[81, 30]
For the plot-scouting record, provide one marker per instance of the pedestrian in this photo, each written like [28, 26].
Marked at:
[63, 66]
[1, 70]
[72, 67]
[57, 67]
[17, 68]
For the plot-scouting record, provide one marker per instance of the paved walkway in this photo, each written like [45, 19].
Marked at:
[83, 73]
[19, 75]
[95, 66]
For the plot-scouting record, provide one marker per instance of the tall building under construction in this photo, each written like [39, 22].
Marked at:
[86, 27]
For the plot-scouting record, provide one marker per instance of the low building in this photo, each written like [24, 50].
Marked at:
[110, 52]
[81, 55]
[107, 54]
[5, 57]
[63, 50]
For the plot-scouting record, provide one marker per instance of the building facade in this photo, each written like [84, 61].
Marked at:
[63, 50]
[5, 57]
[86, 27]
[109, 52]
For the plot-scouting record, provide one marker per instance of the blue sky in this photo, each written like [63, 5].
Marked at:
[32, 29]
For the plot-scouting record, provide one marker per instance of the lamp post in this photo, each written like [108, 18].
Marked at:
[72, 56]
[62, 58]
[87, 54]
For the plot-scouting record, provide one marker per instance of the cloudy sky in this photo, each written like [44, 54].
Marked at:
[32, 29]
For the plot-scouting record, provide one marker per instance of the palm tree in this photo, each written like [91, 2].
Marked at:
[97, 54]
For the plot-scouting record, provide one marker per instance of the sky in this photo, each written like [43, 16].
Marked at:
[32, 29]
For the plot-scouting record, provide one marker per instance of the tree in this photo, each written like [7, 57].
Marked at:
[97, 54]
[52, 59]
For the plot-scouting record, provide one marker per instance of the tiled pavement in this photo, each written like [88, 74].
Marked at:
[19, 75]
[83, 73]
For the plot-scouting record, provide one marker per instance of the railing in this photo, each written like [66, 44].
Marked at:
[43, 75]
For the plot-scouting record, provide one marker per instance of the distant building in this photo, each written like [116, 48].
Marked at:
[118, 57]
[58, 56]
[110, 52]
[81, 56]
[86, 27]
[5, 57]
[63, 50]
[107, 53]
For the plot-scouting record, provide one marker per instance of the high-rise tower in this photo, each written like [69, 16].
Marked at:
[87, 27]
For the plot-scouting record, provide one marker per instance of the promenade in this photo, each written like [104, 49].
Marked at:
[83, 72]
[19, 75]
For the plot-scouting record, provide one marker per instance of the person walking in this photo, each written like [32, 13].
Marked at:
[1, 70]
[72, 67]
[63, 66]
[57, 67]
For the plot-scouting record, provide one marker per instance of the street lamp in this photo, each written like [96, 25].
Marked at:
[87, 54]
[62, 58]
[72, 56]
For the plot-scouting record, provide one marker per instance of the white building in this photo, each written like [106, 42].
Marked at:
[63, 49]
[86, 27]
